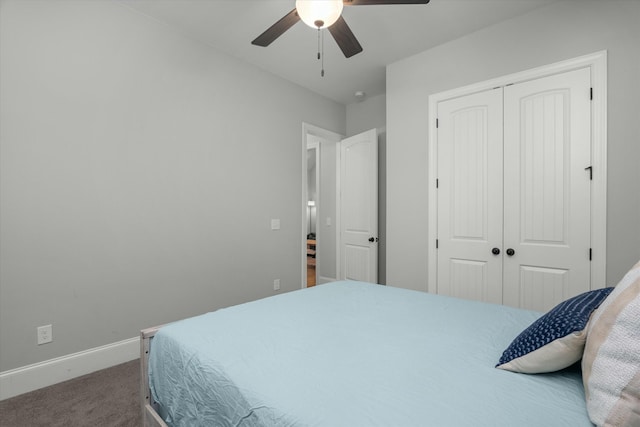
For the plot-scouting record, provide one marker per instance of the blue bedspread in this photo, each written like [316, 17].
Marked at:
[355, 354]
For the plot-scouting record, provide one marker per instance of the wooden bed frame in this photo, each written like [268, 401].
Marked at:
[150, 417]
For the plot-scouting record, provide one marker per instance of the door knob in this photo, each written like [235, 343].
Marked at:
[373, 239]
[511, 252]
[495, 251]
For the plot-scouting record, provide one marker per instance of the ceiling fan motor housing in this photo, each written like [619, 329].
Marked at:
[319, 13]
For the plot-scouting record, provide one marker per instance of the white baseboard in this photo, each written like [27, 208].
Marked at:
[323, 279]
[43, 374]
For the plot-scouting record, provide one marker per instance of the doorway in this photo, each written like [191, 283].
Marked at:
[313, 208]
[345, 228]
[318, 208]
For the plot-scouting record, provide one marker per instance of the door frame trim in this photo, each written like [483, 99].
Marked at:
[597, 62]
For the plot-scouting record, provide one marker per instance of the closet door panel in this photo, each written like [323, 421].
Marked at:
[546, 192]
[470, 196]
[542, 288]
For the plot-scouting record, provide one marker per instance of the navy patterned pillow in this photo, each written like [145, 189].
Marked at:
[556, 340]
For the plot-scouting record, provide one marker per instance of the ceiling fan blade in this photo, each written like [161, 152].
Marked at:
[345, 38]
[277, 29]
[374, 2]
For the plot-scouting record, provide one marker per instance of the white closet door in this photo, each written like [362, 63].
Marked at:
[470, 196]
[547, 154]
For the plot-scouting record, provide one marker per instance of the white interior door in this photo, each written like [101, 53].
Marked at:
[470, 197]
[358, 182]
[547, 183]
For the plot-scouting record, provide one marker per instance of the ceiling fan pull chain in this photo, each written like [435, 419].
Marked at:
[322, 71]
[321, 50]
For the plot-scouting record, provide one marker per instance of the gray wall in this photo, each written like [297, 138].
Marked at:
[362, 116]
[139, 173]
[557, 32]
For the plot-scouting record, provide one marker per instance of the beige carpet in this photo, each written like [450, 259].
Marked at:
[104, 398]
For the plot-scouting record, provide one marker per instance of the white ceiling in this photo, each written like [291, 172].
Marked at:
[387, 34]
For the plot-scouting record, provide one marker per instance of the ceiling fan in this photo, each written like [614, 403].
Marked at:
[325, 14]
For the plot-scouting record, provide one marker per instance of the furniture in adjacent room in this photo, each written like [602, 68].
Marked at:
[311, 252]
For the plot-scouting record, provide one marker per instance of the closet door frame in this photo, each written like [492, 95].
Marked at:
[597, 62]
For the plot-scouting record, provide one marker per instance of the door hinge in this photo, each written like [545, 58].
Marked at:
[437, 182]
[590, 254]
[437, 123]
[436, 243]
[590, 169]
[591, 94]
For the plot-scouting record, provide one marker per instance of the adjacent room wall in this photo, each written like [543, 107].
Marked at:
[554, 33]
[140, 171]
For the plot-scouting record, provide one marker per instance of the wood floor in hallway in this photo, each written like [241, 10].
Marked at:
[311, 275]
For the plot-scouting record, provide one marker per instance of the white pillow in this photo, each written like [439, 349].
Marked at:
[611, 360]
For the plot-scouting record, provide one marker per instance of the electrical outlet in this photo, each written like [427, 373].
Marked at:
[45, 334]
[276, 285]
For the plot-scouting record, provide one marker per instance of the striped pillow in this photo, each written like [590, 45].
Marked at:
[611, 360]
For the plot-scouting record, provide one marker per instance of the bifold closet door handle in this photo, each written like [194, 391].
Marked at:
[495, 251]
[511, 252]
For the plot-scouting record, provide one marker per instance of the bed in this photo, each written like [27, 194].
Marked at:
[351, 354]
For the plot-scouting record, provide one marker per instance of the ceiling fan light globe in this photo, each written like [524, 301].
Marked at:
[319, 13]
